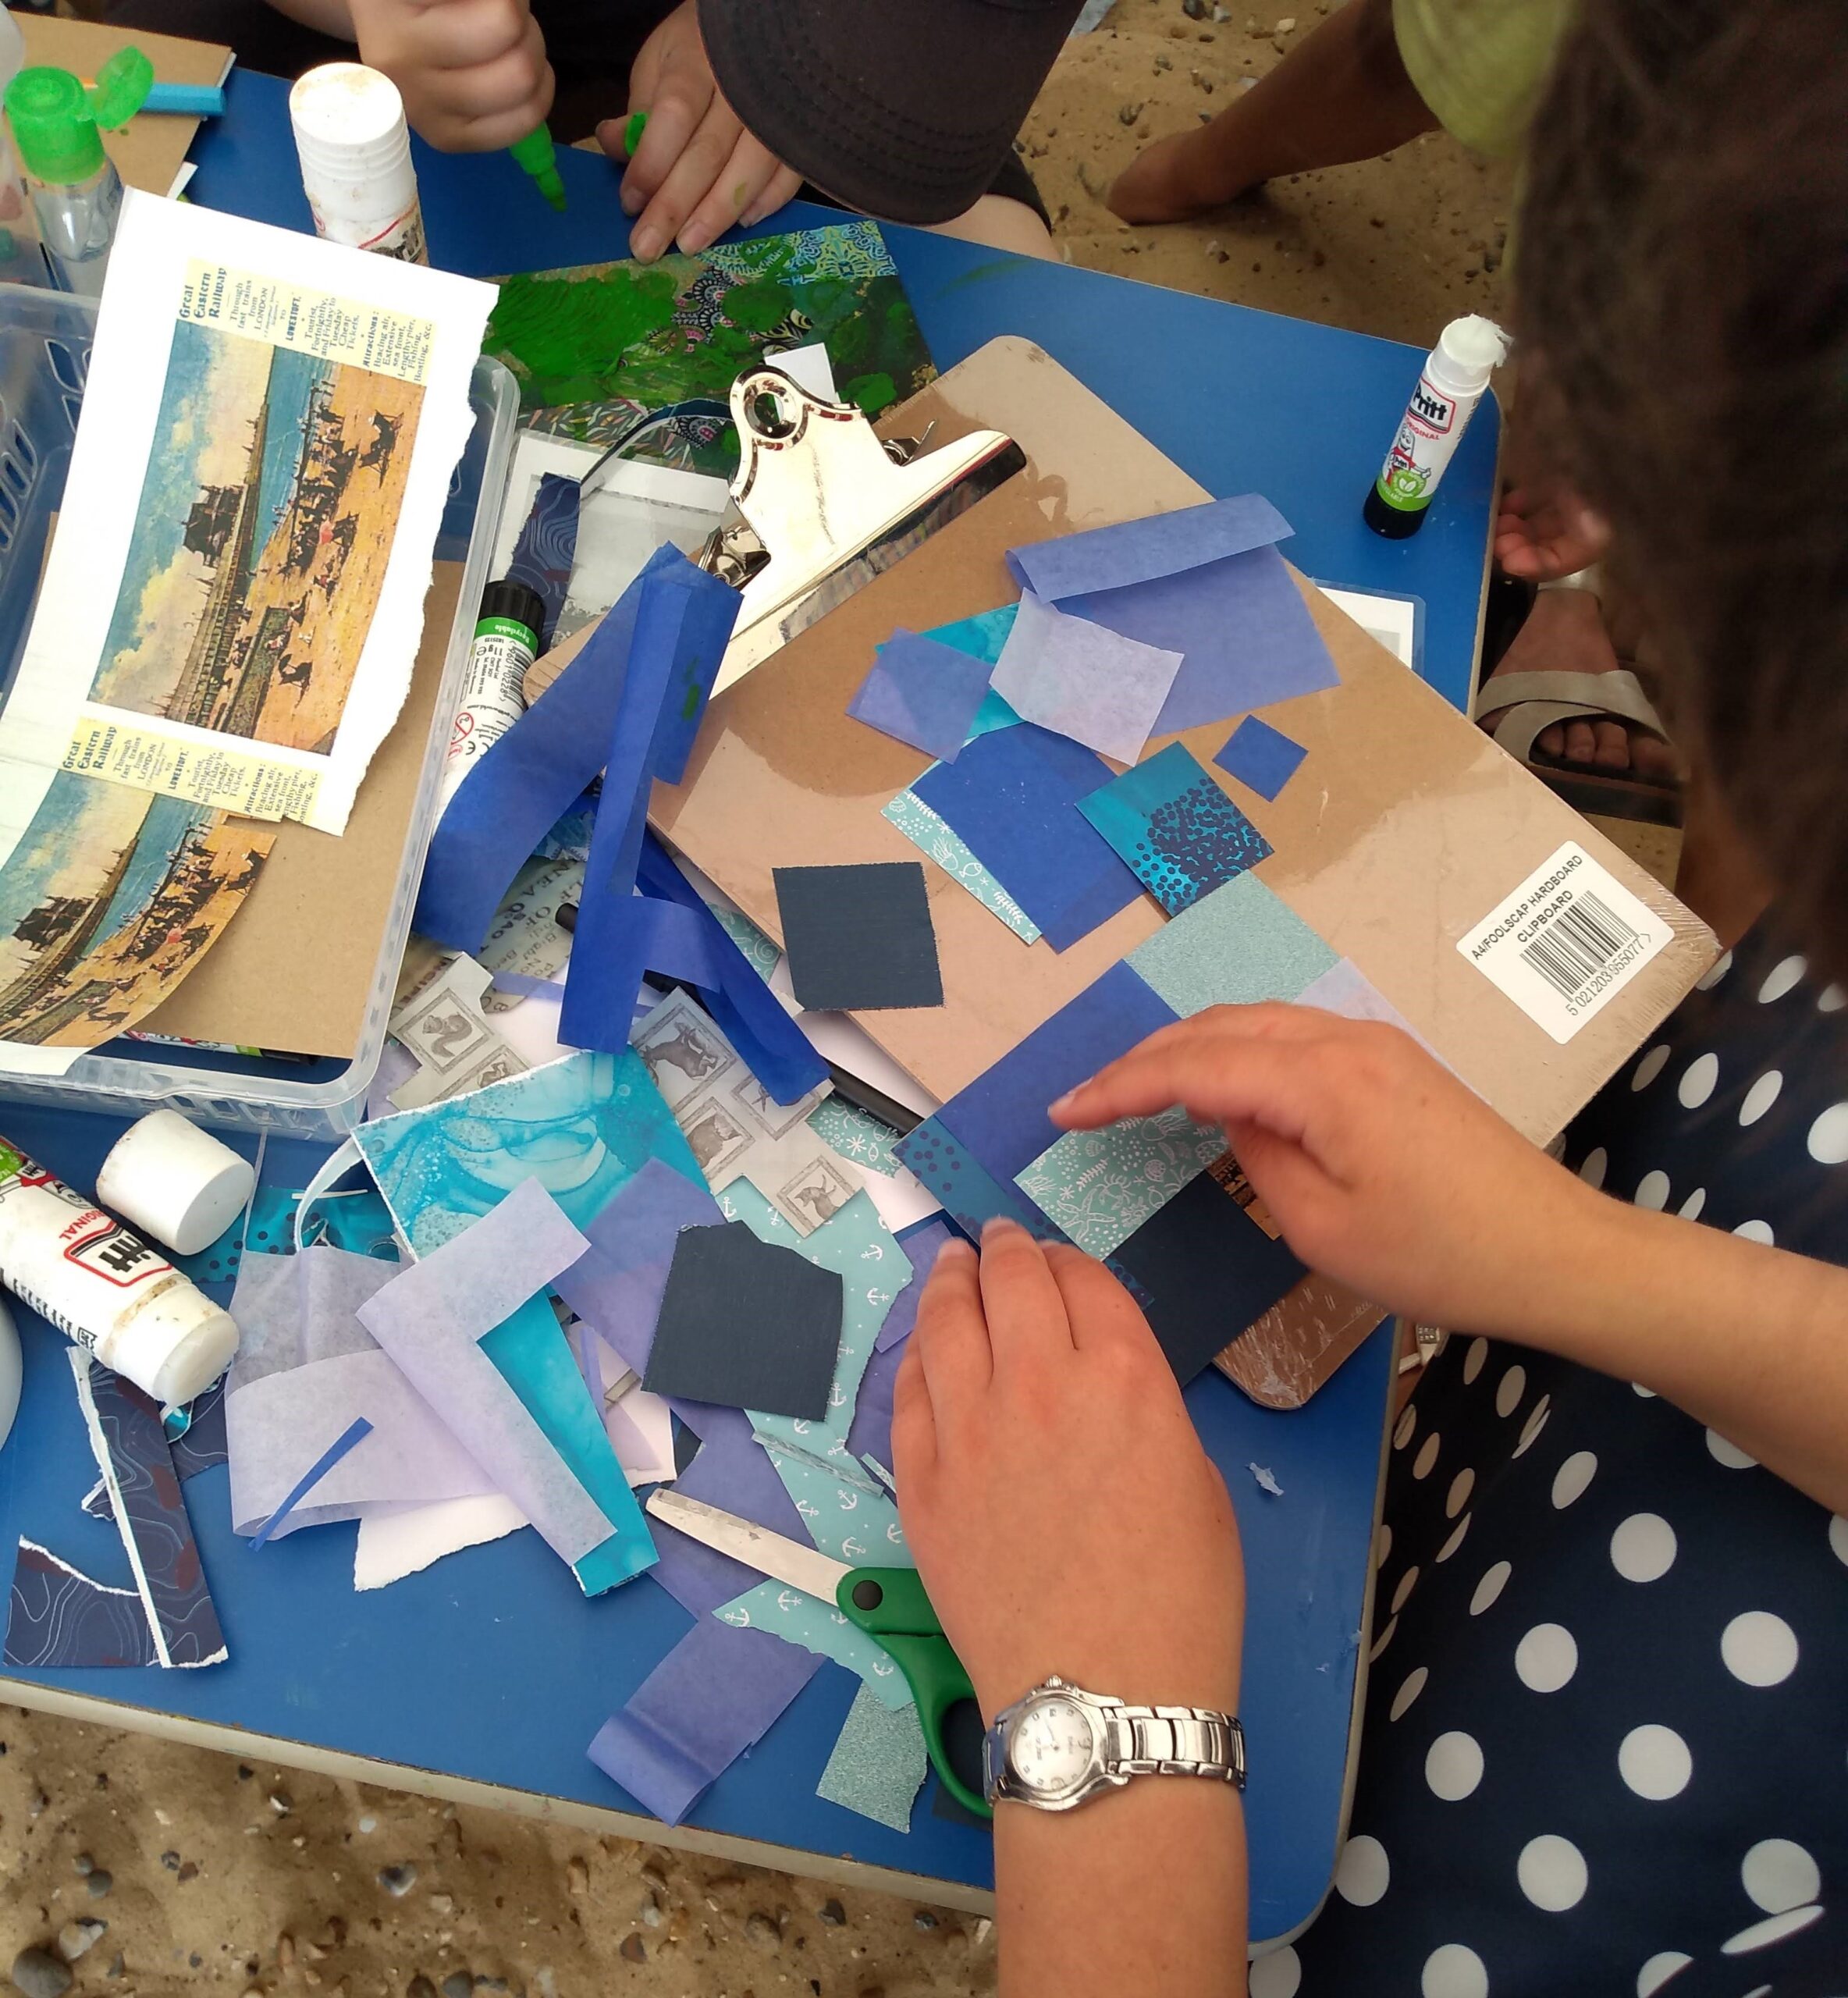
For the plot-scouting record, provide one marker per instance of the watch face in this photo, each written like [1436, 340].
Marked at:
[1050, 1746]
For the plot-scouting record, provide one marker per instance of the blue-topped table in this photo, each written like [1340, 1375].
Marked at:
[484, 1677]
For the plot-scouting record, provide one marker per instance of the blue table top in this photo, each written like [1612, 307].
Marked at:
[491, 1667]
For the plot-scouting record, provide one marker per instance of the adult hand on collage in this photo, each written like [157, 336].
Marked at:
[1383, 1170]
[473, 73]
[1063, 1513]
[696, 171]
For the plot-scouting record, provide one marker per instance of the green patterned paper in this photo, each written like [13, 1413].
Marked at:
[1100, 1186]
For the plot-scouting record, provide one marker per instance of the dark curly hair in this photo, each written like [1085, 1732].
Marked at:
[1684, 288]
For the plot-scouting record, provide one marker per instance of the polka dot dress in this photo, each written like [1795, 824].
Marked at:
[1606, 1739]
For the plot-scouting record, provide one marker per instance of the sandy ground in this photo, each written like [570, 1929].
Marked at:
[245, 1879]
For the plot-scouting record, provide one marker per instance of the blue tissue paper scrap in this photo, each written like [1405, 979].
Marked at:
[1175, 827]
[1262, 758]
[923, 693]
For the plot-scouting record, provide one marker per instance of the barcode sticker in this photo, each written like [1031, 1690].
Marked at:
[1566, 942]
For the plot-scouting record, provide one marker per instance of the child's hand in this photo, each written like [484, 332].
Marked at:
[697, 171]
[1544, 531]
[1064, 1517]
[1382, 1170]
[473, 73]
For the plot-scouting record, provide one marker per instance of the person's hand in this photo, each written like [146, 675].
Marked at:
[473, 73]
[1382, 1170]
[1544, 530]
[697, 171]
[1064, 1517]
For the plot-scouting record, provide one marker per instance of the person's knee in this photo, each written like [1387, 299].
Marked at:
[1001, 223]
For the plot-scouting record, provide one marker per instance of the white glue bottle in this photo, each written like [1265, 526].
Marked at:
[105, 1289]
[354, 148]
[507, 640]
[1456, 374]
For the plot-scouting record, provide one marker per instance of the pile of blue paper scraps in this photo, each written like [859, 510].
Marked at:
[531, 1313]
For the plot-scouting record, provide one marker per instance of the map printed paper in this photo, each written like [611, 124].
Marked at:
[234, 599]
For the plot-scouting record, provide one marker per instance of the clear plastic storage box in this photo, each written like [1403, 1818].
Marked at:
[44, 350]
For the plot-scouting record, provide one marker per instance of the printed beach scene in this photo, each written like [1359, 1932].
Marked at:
[109, 899]
[262, 539]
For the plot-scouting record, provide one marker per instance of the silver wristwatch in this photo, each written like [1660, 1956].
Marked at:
[1060, 1746]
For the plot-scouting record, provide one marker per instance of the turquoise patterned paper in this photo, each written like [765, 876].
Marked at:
[855, 1134]
[1100, 1186]
[934, 839]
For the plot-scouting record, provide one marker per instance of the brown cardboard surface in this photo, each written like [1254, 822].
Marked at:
[153, 148]
[295, 970]
[1405, 827]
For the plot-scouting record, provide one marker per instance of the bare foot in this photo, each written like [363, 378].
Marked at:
[1176, 178]
[1565, 633]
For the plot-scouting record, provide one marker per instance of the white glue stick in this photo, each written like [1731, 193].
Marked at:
[355, 153]
[507, 640]
[105, 1289]
[1456, 374]
[174, 1182]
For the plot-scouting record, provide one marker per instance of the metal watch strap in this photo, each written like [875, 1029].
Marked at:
[1175, 1741]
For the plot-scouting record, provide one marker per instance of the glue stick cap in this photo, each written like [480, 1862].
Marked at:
[174, 1346]
[1469, 351]
[174, 1182]
[353, 142]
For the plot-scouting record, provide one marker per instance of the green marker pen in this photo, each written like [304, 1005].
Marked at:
[632, 133]
[535, 154]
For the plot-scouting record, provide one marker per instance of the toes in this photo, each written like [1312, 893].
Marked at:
[1552, 741]
[1611, 741]
[1651, 757]
[1581, 742]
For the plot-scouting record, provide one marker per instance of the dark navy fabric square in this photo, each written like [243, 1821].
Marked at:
[859, 938]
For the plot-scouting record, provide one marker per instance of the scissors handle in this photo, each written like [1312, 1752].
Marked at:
[891, 1606]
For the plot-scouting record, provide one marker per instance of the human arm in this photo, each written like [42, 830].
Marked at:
[1065, 1519]
[1386, 1173]
[473, 73]
[696, 171]
[333, 17]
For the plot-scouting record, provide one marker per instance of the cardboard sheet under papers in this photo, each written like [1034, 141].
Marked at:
[1405, 832]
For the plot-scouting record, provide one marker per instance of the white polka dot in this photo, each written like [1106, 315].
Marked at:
[1407, 1582]
[1401, 1433]
[1782, 979]
[1759, 1991]
[1456, 1539]
[1762, 1094]
[1551, 1871]
[1278, 1974]
[1708, 979]
[1594, 1166]
[1494, 1581]
[1410, 1686]
[1458, 1496]
[1831, 999]
[1780, 1876]
[1838, 1539]
[1642, 1548]
[1652, 1191]
[1472, 1360]
[1453, 1768]
[1697, 1079]
[1653, 1762]
[1509, 1389]
[1756, 1231]
[1650, 1066]
[1426, 1456]
[1729, 1454]
[1658, 1970]
[1642, 1393]
[1758, 1648]
[1690, 1209]
[1383, 1546]
[1361, 1876]
[1454, 1972]
[1774, 1930]
[1380, 1642]
[1828, 1136]
[1571, 1478]
[1546, 1659]
[1536, 1421]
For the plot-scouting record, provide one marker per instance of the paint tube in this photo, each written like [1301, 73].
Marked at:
[507, 640]
[1455, 380]
[105, 1287]
[354, 148]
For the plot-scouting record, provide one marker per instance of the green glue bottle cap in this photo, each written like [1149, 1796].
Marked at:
[58, 125]
[534, 153]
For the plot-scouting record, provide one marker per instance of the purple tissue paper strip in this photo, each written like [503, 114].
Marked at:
[716, 1693]
[1115, 558]
[733, 1472]
[871, 1435]
[923, 693]
[616, 1285]
[921, 1243]
[431, 1317]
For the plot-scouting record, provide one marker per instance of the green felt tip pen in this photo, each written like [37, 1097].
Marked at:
[632, 132]
[535, 154]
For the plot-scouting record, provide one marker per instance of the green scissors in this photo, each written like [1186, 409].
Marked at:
[888, 1604]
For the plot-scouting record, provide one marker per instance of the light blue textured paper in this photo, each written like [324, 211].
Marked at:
[879, 1762]
[1234, 947]
[1100, 1186]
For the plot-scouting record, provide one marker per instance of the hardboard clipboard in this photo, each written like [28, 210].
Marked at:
[1404, 828]
[294, 969]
